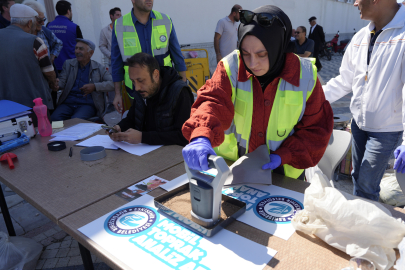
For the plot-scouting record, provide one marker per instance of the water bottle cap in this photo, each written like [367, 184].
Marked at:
[38, 101]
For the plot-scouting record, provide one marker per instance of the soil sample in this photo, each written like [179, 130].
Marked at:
[181, 204]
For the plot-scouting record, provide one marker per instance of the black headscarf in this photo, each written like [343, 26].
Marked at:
[274, 38]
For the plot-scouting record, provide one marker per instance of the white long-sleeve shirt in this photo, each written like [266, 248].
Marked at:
[378, 102]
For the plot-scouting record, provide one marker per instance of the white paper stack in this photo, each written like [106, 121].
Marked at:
[77, 132]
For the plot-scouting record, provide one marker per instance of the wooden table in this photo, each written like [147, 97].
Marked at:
[301, 251]
[58, 185]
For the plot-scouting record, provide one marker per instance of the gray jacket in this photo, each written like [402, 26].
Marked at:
[99, 75]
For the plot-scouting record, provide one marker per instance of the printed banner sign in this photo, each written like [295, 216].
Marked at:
[142, 238]
[268, 208]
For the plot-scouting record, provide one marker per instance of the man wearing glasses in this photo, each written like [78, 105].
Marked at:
[261, 95]
[304, 46]
[51, 41]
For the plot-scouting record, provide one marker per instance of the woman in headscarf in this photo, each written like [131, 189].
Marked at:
[261, 94]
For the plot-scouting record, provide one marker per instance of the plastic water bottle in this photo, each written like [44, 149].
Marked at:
[44, 127]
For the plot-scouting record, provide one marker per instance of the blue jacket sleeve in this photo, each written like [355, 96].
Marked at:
[117, 65]
[175, 52]
[57, 45]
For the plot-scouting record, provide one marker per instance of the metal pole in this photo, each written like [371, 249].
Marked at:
[6, 214]
[86, 257]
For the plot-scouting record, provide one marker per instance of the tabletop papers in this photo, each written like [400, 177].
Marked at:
[140, 237]
[268, 208]
[137, 149]
[99, 140]
[77, 132]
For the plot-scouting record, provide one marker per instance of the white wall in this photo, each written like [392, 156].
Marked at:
[195, 20]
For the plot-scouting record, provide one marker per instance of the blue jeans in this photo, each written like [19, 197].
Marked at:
[68, 111]
[371, 152]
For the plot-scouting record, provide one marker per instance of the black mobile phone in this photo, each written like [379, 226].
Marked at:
[109, 129]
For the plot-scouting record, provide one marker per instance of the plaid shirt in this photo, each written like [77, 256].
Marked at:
[56, 43]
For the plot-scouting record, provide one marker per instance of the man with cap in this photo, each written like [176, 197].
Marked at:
[84, 83]
[26, 70]
[261, 95]
[318, 36]
[5, 17]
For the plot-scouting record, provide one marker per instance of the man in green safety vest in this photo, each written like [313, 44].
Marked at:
[142, 30]
[261, 94]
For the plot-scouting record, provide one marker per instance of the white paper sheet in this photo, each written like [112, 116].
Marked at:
[78, 132]
[99, 140]
[64, 138]
[137, 149]
[142, 238]
[175, 183]
[268, 208]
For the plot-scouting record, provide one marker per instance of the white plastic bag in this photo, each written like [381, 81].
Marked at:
[391, 192]
[361, 228]
[11, 257]
[310, 172]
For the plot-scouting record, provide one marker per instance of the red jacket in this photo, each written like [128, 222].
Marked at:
[213, 112]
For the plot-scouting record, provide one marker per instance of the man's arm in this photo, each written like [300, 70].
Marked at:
[104, 44]
[176, 55]
[311, 135]
[212, 112]
[129, 121]
[79, 32]
[305, 54]
[63, 76]
[106, 83]
[41, 53]
[57, 46]
[321, 34]
[217, 37]
[341, 85]
[181, 114]
[309, 49]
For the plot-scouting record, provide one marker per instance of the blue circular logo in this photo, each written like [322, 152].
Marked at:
[162, 38]
[277, 209]
[130, 221]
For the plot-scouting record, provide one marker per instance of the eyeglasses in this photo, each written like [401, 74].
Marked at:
[264, 19]
[41, 20]
[298, 32]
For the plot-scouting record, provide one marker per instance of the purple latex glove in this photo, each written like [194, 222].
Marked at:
[399, 154]
[275, 162]
[196, 153]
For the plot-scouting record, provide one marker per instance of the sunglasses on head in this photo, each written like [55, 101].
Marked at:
[264, 19]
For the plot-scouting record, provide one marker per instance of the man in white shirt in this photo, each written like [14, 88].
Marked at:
[226, 34]
[105, 44]
[373, 67]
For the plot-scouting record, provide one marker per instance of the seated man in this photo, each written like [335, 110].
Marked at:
[162, 103]
[304, 46]
[84, 83]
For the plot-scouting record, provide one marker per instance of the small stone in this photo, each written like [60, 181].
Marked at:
[62, 252]
[53, 246]
[50, 263]
[74, 252]
[76, 260]
[62, 262]
[66, 244]
[49, 254]
[50, 232]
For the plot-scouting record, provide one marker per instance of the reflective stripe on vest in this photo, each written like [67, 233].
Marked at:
[129, 44]
[288, 109]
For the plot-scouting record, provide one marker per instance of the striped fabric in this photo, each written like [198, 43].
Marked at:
[41, 53]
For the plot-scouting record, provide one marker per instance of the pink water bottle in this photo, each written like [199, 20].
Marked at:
[44, 127]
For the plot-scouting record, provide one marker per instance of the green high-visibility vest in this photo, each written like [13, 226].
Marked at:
[288, 109]
[129, 44]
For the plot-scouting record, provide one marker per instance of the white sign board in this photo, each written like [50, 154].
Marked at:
[142, 238]
[268, 208]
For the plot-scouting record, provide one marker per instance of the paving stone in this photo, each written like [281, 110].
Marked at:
[13, 200]
[50, 232]
[47, 241]
[39, 230]
[74, 252]
[17, 228]
[40, 264]
[98, 260]
[28, 217]
[53, 246]
[50, 263]
[62, 252]
[66, 243]
[39, 237]
[74, 244]
[62, 262]
[59, 235]
[49, 254]
[76, 260]
[57, 228]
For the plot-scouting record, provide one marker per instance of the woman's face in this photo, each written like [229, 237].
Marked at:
[255, 55]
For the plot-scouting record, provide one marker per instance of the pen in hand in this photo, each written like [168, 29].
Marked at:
[71, 152]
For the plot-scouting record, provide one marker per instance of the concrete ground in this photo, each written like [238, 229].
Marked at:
[61, 252]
